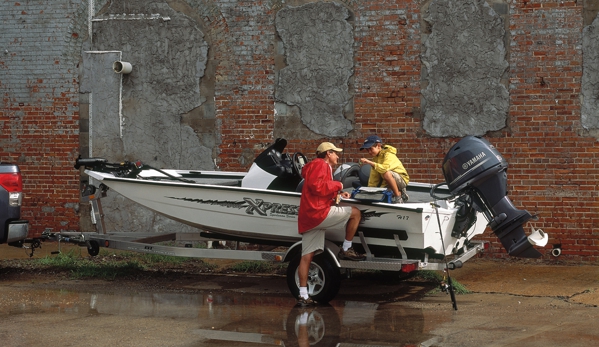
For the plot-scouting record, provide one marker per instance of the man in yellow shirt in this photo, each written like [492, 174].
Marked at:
[387, 170]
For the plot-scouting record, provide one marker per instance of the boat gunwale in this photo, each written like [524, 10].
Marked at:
[148, 181]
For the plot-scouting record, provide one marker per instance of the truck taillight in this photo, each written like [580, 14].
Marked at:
[13, 183]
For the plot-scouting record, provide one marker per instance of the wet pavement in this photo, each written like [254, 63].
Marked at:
[58, 317]
[513, 306]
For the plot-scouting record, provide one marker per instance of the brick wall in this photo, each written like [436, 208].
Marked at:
[39, 108]
[552, 173]
[244, 99]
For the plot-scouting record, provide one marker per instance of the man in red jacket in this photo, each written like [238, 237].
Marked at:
[318, 212]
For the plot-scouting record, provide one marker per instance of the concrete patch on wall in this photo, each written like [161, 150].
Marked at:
[464, 62]
[103, 86]
[167, 116]
[590, 76]
[317, 58]
[161, 96]
[288, 123]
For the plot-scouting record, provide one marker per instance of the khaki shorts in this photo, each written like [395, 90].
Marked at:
[401, 183]
[313, 239]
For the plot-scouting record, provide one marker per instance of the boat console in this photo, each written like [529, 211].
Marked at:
[275, 169]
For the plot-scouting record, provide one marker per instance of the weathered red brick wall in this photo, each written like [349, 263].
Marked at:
[244, 96]
[552, 159]
[45, 155]
[552, 173]
[39, 119]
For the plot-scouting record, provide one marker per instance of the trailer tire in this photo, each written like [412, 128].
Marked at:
[322, 327]
[324, 278]
[93, 248]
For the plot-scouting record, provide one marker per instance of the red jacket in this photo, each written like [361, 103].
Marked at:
[318, 194]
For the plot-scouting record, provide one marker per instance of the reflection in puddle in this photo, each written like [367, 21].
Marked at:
[221, 319]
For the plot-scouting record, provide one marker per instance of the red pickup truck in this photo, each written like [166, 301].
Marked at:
[13, 230]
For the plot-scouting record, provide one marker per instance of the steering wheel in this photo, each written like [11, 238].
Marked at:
[352, 170]
[298, 161]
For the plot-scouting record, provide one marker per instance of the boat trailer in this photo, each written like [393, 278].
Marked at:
[325, 271]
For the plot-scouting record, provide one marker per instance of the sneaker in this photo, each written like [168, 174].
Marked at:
[350, 254]
[404, 195]
[305, 302]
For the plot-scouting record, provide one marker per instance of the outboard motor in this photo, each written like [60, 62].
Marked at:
[474, 167]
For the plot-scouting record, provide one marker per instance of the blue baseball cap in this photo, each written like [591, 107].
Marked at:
[370, 141]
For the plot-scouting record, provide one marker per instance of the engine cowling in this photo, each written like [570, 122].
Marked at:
[473, 166]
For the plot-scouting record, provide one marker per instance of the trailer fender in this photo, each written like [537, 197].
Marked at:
[329, 247]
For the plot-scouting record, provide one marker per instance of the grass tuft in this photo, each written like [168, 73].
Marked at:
[429, 275]
[81, 268]
[110, 265]
[257, 267]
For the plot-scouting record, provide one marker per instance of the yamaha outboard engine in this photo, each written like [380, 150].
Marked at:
[474, 167]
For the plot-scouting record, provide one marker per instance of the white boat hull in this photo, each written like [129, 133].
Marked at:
[269, 215]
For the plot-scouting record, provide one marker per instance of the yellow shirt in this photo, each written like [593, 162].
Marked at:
[385, 161]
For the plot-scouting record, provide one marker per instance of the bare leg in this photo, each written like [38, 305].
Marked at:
[303, 268]
[303, 339]
[352, 224]
[391, 184]
[350, 230]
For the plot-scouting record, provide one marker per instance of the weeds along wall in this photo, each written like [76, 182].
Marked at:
[215, 82]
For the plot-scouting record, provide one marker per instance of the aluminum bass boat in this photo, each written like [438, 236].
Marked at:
[434, 230]
[261, 205]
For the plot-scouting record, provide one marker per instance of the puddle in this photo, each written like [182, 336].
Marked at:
[225, 319]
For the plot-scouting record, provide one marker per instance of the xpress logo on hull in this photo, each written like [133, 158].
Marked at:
[257, 206]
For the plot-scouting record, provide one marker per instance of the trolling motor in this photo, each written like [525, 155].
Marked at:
[475, 168]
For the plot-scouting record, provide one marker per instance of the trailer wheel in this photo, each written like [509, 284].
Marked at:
[324, 278]
[321, 328]
[93, 248]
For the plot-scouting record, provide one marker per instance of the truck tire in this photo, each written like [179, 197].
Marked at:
[324, 278]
